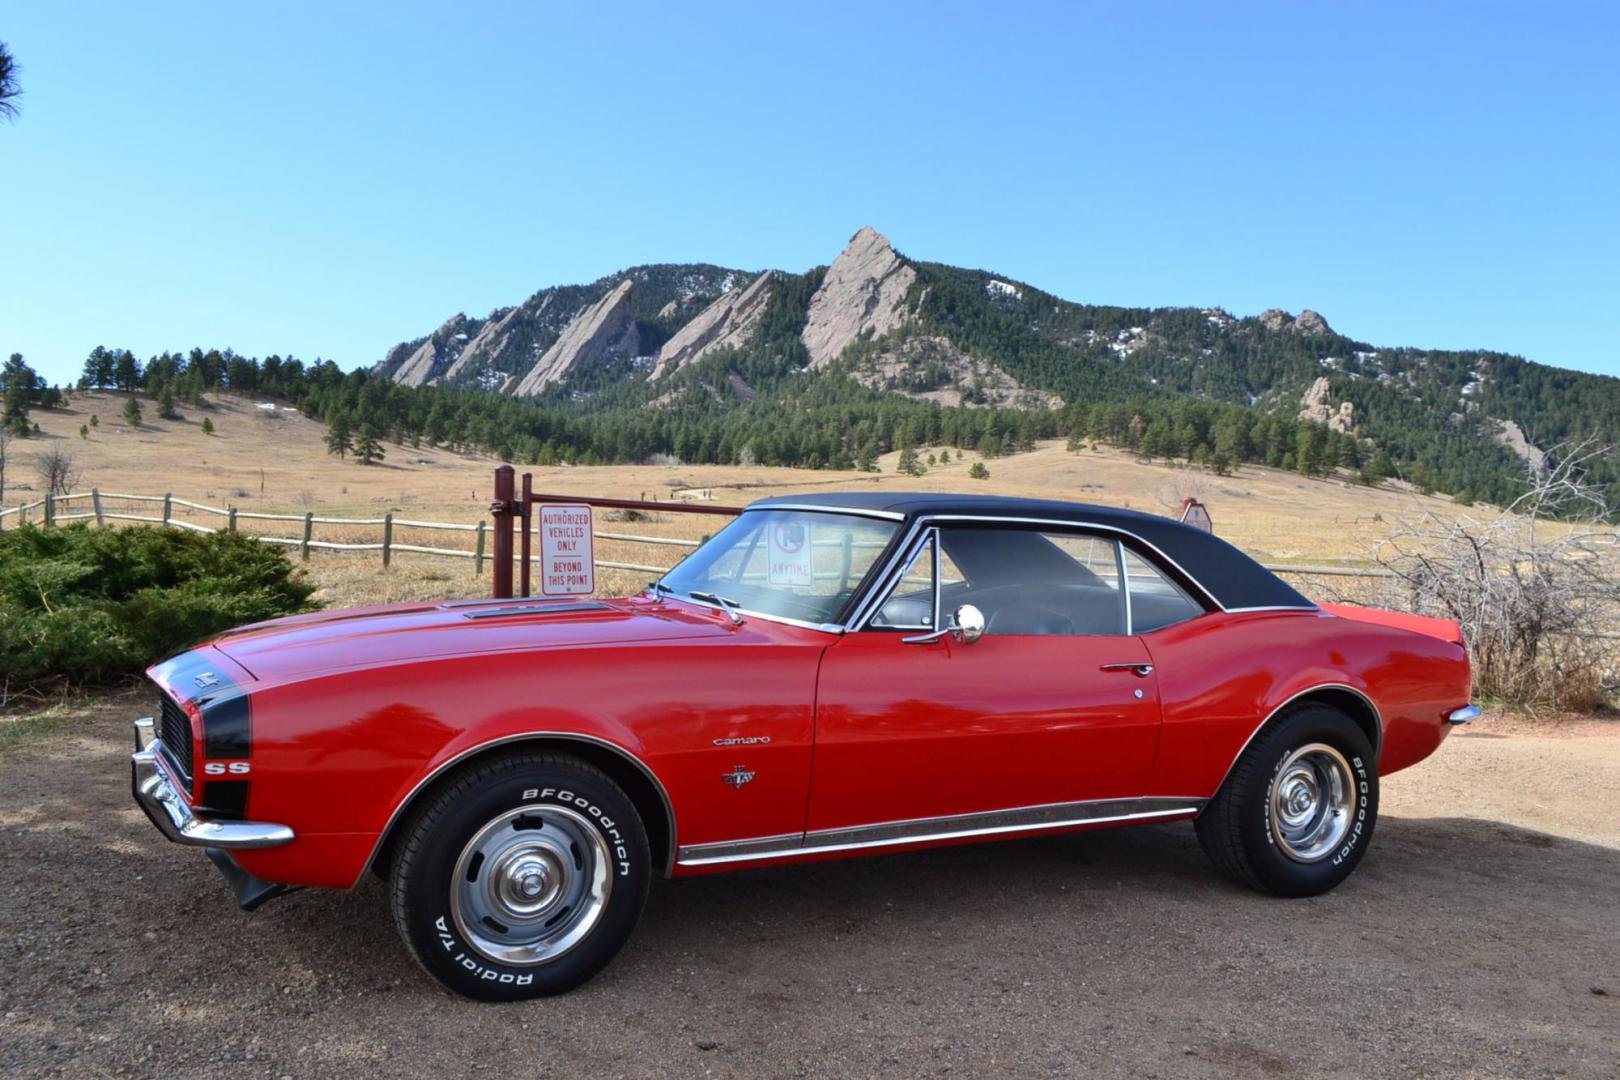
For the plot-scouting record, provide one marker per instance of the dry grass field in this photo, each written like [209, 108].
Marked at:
[275, 461]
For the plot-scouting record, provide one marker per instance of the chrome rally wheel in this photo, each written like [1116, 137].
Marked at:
[1296, 812]
[1311, 802]
[520, 875]
[531, 885]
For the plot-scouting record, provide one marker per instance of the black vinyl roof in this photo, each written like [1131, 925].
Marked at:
[1221, 570]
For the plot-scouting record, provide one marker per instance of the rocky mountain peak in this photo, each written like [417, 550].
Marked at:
[605, 328]
[863, 295]
[729, 322]
[1308, 322]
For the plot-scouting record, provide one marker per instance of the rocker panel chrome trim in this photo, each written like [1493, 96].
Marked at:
[956, 827]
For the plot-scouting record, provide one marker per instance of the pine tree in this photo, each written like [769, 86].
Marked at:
[166, 409]
[978, 471]
[208, 426]
[367, 447]
[339, 434]
[17, 385]
[132, 413]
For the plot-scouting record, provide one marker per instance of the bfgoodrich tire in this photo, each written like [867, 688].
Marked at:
[1296, 814]
[521, 877]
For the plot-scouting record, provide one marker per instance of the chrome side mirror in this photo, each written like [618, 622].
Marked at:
[967, 624]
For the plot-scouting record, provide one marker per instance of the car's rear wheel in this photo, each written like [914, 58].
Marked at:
[1297, 811]
[520, 877]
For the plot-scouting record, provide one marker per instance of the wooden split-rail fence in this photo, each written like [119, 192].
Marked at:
[104, 507]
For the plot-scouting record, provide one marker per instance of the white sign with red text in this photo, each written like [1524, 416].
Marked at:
[789, 554]
[567, 567]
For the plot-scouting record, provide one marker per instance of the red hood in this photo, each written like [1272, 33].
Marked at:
[303, 645]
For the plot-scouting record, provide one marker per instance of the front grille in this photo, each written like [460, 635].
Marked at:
[174, 729]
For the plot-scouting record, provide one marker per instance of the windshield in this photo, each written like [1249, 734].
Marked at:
[788, 564]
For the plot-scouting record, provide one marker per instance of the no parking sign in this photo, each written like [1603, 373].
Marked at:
[788, 554]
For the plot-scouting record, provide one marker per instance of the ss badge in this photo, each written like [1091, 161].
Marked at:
[737, 777]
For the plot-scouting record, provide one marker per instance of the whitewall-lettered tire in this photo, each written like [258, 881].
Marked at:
[522, 876]
[1296, 814]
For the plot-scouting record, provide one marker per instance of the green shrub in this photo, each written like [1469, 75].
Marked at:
[84, 606]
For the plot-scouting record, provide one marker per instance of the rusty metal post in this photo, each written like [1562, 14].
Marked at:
[523, 516]
[501, 510]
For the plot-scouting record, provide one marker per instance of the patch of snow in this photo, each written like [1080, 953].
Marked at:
[1002, 288]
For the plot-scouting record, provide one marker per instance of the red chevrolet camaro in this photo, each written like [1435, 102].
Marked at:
[828, 676]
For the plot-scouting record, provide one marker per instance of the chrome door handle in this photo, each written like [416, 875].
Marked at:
[1141, 670]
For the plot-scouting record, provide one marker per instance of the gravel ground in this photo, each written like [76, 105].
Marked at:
[1481, 935]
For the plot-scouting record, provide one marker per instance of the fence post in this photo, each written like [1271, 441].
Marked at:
[50, 509]
[478, 557]
[95, 499]
[502, 510]
[309, 526]
[168, 506]
[388, 536]
[525, 503]
[230, 520]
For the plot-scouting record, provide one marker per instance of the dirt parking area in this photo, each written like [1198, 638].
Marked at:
[1481, 936]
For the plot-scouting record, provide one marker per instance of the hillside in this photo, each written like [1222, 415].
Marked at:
[827, 367]
[277, 461]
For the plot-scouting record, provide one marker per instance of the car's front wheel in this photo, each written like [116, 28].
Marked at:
[1296, 814]
[520, 877]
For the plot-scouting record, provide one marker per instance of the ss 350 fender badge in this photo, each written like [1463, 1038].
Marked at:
[738, 776]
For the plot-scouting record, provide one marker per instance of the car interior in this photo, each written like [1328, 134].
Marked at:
[1028, 582]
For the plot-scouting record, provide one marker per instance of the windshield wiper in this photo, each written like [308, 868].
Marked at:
[728, 606]
[660, 590]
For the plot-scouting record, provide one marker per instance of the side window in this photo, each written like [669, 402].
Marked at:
[1033, 583]
[1156, 601]
[911, 605]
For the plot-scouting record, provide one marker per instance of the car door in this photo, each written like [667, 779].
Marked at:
[1055, 703]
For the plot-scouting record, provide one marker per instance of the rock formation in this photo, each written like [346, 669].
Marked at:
[727, 323]
[605, 328]
[434, 354]
[932, 368]
[1309, 322]
[1511, 436]
[490, 341]
[1315, 408]
[862, 295]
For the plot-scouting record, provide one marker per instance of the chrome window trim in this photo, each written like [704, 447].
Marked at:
[810, 508]
[1378, 718]
[952, 827]
[886, 580]
[912, 550]
[1124, 586]
[865, 609]
[526, 736]
[1272, 607]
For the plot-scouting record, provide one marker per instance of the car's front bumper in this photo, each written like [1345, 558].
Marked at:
[157, 794]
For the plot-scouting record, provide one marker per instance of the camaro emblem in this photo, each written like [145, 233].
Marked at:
[206, 679]
[738, 776]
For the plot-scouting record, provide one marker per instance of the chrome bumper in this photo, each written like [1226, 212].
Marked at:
[157, 795]
[1465, 714]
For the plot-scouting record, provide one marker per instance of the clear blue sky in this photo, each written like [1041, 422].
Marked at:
[327, 179]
